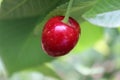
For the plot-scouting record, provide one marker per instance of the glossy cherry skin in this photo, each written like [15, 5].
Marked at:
[59, 38]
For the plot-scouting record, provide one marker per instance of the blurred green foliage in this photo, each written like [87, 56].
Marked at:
[95, 57]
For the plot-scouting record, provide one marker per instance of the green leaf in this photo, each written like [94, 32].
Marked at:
[105, 13]
[20, 48]
[78, 8]
[12, 9]
[90, 34]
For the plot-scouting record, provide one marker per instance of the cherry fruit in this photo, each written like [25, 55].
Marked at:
[59, 38]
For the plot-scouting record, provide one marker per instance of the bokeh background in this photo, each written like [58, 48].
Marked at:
[95, 57]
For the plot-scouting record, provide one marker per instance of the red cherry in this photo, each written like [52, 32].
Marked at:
[59, 38]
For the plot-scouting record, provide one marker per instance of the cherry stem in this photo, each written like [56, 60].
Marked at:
[66, 19]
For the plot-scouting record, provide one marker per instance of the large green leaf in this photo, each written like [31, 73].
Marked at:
[11, 9]
[20, 49]
[105, 13]
[78, 8]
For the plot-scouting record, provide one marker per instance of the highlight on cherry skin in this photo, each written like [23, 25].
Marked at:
[59, 38]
